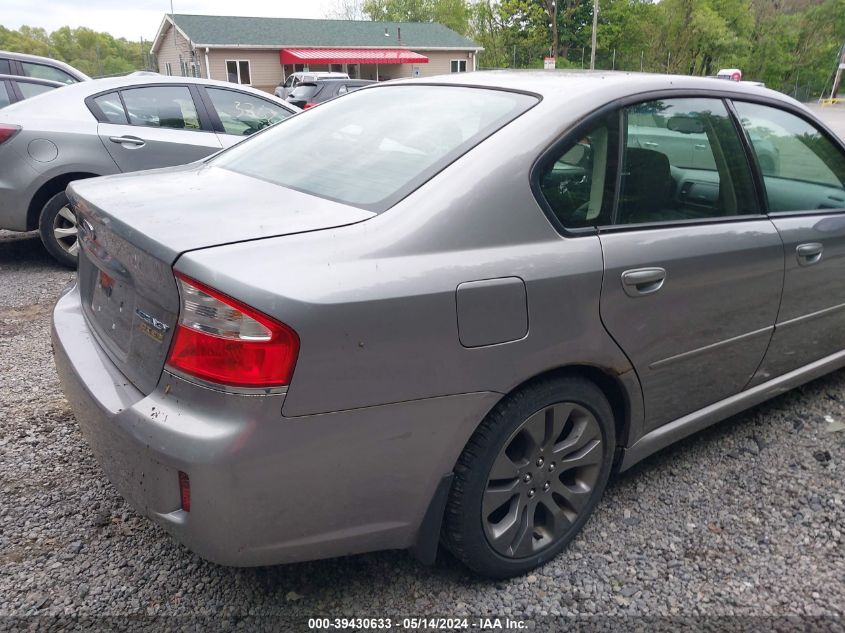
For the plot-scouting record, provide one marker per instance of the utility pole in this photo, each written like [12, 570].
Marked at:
[837, 80]
[551, 9]
[595, 28]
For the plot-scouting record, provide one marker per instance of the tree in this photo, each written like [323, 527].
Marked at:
[91, 52]
[346, 10]
[454, 14]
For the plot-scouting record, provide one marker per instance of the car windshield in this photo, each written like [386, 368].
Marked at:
[371, 148]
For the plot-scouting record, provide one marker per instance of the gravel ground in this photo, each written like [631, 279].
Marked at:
[744, 519]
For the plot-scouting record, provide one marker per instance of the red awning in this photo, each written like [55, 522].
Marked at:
[351, 56]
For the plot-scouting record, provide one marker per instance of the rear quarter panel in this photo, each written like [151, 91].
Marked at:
[77, 150]
[374, 304]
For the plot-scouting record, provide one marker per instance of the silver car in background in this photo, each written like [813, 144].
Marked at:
[106, 126]
[38, 67]
[448, 309]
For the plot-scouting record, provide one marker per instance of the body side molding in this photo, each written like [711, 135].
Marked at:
[687, 425]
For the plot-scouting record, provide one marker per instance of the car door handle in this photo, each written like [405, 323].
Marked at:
[127, 140]
[651, 144]
[809, 254]
[643, 281]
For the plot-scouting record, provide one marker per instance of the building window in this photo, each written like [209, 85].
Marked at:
[168, 69]
[238, 71]
[459, 65]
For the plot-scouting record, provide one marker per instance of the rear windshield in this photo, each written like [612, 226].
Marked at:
[371, 148]
[304, 91]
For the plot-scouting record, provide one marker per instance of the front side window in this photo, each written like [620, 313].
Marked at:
[682, 160]
[373, 147]
[112, 108]
[161, 106]
[29, 89]
[243, 114]
[238, 71]
[802, 169]
[41, 71]
[459, 65]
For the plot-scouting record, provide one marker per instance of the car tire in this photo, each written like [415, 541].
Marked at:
[57, 227]
[552, 445]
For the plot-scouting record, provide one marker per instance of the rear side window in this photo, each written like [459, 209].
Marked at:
[802, 169]
[5, 67]
[304, 92]
[5, 98]
[112, 108]
[161, 106]
[578, 183]
[244, 114]
[42, 71]
[29, 89]
[373, 147]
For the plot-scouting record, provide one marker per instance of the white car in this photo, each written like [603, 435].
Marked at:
[294, 79]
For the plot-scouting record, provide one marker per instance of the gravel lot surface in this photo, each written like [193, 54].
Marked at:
[746, 518]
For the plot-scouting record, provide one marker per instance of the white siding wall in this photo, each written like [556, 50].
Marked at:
[170, 50]
[439, 63]
[265, 65]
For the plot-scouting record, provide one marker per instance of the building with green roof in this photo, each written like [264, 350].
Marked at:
[263, 52]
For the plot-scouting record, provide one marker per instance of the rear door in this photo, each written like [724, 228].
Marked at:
[236, 114]
[693, 270]
[145, 127]
[805, 189]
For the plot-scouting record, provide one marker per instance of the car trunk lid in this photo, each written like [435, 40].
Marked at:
[132, 229]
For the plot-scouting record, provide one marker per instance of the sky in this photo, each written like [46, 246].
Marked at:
[134, 19]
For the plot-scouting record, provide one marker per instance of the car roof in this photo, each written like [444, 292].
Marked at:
[570, 85]
[347, 82]
[320, 73]
[23, 57]
[33, 80]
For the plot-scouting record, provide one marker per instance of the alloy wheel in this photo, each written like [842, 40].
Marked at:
[542, 479]
[65, 231]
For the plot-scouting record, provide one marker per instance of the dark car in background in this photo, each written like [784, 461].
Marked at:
[308, 94]
[39, 68]
[14, 88]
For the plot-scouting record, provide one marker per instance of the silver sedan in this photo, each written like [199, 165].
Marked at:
[107, 126]
[444, 311]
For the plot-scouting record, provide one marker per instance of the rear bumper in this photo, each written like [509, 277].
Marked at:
[264, 489]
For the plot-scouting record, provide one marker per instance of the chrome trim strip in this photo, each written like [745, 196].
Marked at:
[812, 315]
[238, 391]
[701, 419]
[658, 364]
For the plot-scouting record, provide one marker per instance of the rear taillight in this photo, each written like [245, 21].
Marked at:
[308, 105]
[223, 341]
[185, 491]
[8, 131]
